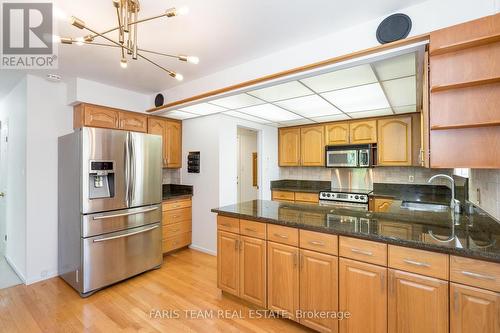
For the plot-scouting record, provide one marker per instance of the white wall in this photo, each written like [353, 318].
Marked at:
[215, 137]
[487, 182]
[247, 145]
[426, 17]
[82, 90]
[13, 109]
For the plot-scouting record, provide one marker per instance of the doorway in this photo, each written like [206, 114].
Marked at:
[248, 173]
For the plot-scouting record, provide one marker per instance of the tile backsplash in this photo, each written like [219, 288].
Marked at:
[484, 190]
[171, 176]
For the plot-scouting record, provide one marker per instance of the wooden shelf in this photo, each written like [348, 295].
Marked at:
[458, 126]
[468, 84]
[466, 44]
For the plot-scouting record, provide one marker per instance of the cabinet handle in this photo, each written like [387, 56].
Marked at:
[316, 243]
[175, 230]
[455, 300]
[478, 276]
[225, 225]
[295, 260]
[236, 245]
[250, 229]
[281, 236]
[358, 251]
[175, 216]
[416, 263]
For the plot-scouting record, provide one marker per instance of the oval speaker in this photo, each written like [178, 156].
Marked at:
[393, 28]
[159, 100]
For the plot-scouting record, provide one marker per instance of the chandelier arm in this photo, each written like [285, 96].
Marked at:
[139, 49]
[171, 73]
[120, 33]
[131, 23]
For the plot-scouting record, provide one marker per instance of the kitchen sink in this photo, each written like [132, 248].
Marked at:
[424, 207]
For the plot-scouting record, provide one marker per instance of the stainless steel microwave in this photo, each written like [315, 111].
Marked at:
[352, 156]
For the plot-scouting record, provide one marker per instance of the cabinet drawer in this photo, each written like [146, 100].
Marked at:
[230, 224]
[175, 229]
[419, 261]
[176, 242]
[284, 235]
[253, 229]
[283, 195]
[306, 197]
[359, 249]
[475, 273]
[320, 242]
[177, 215]
[176, 204]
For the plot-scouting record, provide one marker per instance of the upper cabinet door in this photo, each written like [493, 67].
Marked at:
[474, 310]
[174, 144]
[417, 303]
[133, 122]
[159, 127]
[337, 134]
[289, 146]
[97, 116]
[395, 141]
[364, 131]
[312, 140]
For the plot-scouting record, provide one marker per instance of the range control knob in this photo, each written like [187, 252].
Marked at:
[356, 197]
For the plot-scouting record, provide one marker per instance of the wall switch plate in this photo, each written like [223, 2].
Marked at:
[411, 178]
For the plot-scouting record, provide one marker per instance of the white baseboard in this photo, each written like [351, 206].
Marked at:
[202, 249]
[16, 270]
[49, 275]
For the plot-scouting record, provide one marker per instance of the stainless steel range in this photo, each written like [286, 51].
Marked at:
[345, 198]
[110, 196]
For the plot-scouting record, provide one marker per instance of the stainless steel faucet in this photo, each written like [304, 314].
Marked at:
[454, 204]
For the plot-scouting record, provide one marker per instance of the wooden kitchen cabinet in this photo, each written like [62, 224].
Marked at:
[382, 204]
[283, 278]
[337, 134]
[228, 268]
[159, 127]
[395, 141]
[312, 145]
[173, 144]
[363, 293]
[318, 289]
[363, 131]
[133, 121]
[474, 310]
[417, 303]
[253, 266]
[289, 146]
[95, 116]
[176, 224]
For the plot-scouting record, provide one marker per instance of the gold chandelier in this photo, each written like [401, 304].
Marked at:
[127, 13]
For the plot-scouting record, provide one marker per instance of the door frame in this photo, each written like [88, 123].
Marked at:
[258, 133]
[4, 128]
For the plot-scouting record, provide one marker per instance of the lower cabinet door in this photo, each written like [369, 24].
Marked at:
[253, 284]
[228, 262]
[417, 303]
[283, 279]
[318, 291]
[363, 293]
[474, 310]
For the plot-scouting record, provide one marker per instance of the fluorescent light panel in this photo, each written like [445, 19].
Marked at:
[203, 109]
[270, 112]
[176, 114]
[368, 97]
[302, 121]
[281, 91]
[401, 91]
[335, 117]
[246, 117]
[371, 113]
[341, 79]
[403, 65]
[237, 101]
[309, 106]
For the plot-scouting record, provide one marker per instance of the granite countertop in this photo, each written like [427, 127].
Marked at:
[476, 235]
[417, 193]
[171, 191]
[310, 186]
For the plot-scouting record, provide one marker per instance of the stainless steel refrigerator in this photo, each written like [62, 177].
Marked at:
[110, 192]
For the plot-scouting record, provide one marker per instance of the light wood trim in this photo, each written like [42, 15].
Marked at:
[176, 204]
[475, 42]
[176, 242]
[284, 235]
[466, 84]
[319, 242]
[175, 229]
[253, 229]
[331, 61]
[382, 204]
[419, 261]
[229, 224]
[177, 215]
[470, 125]
[283, 195]
[253, 270]
[363, 250]
[476, 273]
[307, 197]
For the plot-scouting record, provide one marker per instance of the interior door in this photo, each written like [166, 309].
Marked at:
[3, 185]
[145, 169]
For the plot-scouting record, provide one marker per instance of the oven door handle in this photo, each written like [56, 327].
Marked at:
[124, 235]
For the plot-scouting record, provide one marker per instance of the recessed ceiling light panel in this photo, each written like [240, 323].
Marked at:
[270, 112]
[281, 91]
[309, 106]
[246, 117]
[372, 113]
[341, 79]
[401, 91]
[395, 67]
[203, 109]
[237, 101]
[176, 114]
[362, 98]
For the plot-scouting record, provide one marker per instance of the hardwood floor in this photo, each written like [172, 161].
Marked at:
[186, 281]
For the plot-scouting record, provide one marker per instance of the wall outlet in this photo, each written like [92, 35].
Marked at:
[411, 178]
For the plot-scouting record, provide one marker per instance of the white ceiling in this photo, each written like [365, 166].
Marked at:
[222, 33]
[380, 88]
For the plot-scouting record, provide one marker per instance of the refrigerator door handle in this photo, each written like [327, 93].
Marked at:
[127, 170]
[102, 217]
[132, 167]
[124, 235]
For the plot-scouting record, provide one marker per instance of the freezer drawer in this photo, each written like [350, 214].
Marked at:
[101, 223]
[116, 256]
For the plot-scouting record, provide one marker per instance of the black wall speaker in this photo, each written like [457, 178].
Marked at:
[393, 28]
[159, 100]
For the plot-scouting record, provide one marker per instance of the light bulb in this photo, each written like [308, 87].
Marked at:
[123, 63]
[79, 41]
[193, 60]
[179, 77]
[183, 10]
